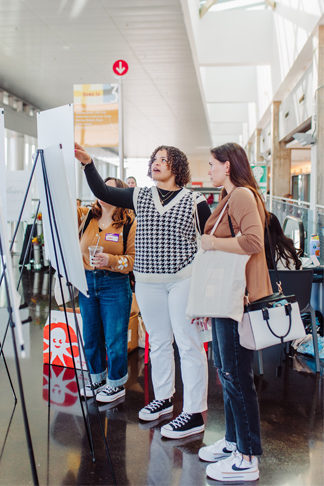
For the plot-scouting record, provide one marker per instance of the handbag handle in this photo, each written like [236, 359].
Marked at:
[265, 314]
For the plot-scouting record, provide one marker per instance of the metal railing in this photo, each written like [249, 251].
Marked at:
[283, 207]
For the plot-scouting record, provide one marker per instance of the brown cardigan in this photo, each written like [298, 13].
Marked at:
[118, 262]
[248, 217]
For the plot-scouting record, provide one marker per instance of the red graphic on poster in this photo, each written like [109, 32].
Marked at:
[64, 389]
[61, 354]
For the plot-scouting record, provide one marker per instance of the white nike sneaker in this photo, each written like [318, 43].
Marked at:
[215, 452]
[234, 468]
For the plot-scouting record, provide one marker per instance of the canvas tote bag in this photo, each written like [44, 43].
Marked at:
[217, 283]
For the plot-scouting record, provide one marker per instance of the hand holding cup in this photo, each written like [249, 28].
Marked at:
[100, 260]
[94, 251]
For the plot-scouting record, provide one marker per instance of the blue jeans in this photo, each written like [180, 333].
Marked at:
[105, 315]
[235, 369]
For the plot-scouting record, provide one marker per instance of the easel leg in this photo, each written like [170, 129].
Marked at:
[9, 377]
[54, 232]
[20, 385]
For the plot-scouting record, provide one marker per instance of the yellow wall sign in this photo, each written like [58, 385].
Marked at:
[96, 115]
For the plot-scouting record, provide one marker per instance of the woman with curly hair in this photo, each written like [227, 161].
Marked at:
[105, 314]
[165, 246]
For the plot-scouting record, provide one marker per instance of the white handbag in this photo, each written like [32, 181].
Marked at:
[271, 320]
[217, 283]
[267, 322]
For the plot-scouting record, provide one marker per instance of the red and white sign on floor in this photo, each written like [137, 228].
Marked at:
[58, 341]
[120, 67]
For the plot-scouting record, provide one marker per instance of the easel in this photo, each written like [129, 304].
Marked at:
[7, 277]
[59, 253]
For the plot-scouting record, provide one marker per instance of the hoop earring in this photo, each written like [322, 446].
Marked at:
[227, 173]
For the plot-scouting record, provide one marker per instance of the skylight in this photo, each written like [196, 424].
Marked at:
[223, 5]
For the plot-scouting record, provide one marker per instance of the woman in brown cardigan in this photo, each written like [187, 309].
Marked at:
[105, 313]
[235, 456]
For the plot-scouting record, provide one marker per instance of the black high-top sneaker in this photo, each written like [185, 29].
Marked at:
[184, 425]
[155, 409]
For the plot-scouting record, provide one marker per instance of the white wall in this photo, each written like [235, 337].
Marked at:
[247, 56]
[228, 38]
[299, 111]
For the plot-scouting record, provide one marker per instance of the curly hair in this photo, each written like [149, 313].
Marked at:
[120, 216]
[177, 162]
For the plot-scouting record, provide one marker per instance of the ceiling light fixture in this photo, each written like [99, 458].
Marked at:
[304, 139]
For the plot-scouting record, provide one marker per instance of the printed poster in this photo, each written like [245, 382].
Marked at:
[96, 115]
[260, 175]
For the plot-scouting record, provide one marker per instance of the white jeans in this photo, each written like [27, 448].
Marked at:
[163, 308]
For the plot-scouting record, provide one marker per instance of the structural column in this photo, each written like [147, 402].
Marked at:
[249, 151]
[280, 158]
[16, 153]
[317, 159]
[257, 142]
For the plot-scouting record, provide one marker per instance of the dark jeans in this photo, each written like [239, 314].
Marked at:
[105, 317]
[235, 369]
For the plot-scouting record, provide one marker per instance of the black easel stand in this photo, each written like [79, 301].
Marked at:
[53, 226]
[20, 385]
[20, 276]
[54, 232]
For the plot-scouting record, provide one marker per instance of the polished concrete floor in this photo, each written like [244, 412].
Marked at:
[291, 407]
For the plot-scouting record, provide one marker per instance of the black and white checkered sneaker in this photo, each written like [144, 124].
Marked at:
[184, 425]
[156, 409]
[110, 393]
[96, 386]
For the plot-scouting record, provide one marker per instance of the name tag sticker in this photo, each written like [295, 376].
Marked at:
[112, 237]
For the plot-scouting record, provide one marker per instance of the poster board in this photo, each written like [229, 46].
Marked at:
[96, 115]
[16, 187]
[13, 293]
[54, 127]
[64, 212]
[3, 164]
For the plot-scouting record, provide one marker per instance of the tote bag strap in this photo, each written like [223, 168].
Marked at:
[196, 217]
[218, 220]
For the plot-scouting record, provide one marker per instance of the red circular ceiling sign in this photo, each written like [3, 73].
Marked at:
[120, 67]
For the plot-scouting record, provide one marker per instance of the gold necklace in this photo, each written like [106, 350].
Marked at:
[104, 224]
[164, 197]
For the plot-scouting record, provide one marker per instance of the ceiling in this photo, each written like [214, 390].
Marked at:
[47, 46]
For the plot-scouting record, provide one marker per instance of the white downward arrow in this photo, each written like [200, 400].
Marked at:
[120, 69]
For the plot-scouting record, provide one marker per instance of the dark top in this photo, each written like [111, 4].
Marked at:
[123, 197]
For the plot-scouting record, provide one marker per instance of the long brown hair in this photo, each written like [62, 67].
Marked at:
[283, 246]
[120, 216]
[240, 172]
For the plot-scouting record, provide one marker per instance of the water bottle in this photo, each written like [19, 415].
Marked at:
[314, 245]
